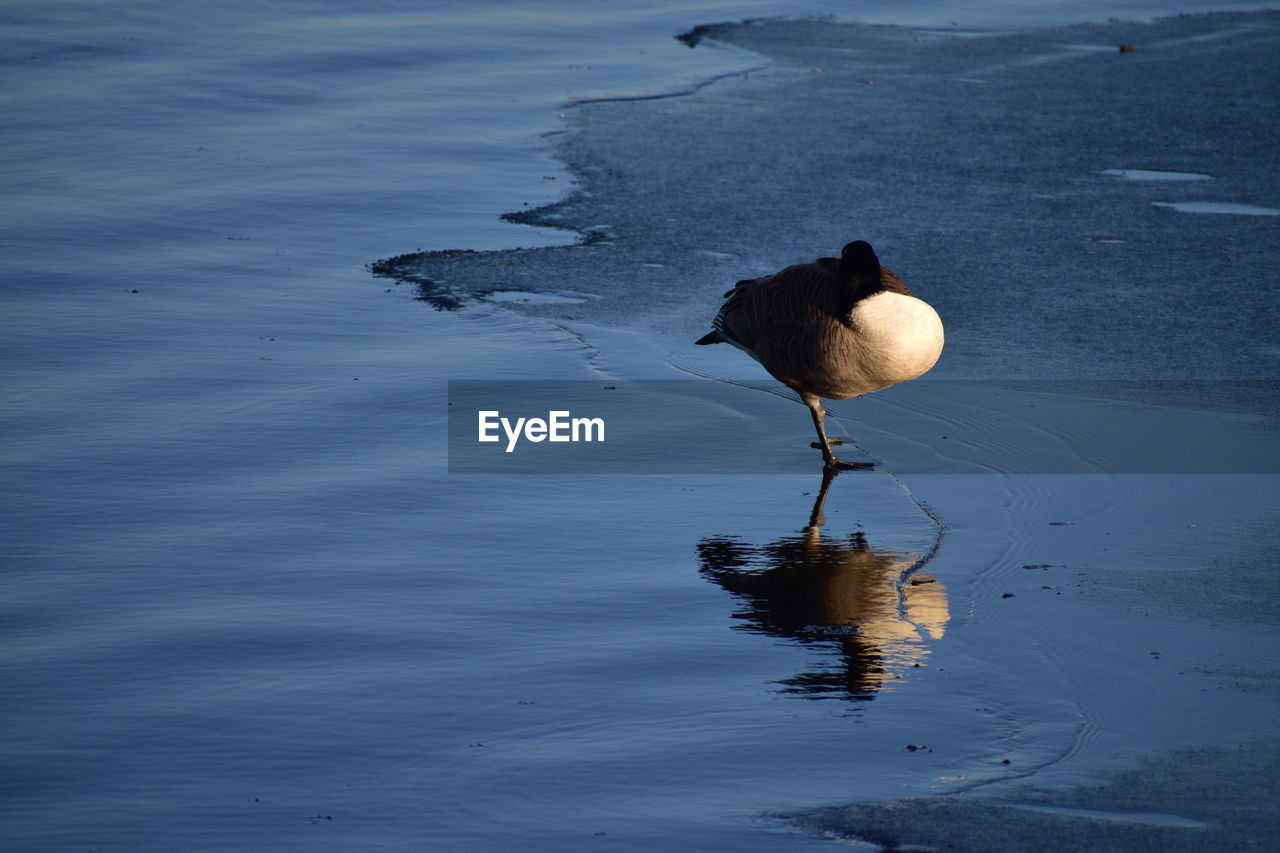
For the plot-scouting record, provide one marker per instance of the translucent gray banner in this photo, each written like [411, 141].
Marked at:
[699, 426]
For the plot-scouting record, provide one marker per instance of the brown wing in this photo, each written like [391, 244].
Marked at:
[760, 311]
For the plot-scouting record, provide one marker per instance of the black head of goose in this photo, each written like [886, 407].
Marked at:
[835, 328]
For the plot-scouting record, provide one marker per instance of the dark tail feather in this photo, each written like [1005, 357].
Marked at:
[710, 338]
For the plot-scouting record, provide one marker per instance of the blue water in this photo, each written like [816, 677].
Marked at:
[244, 606]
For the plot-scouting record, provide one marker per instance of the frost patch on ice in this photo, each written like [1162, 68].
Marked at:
[539, 297]
[1156, 175]
[1218, 207]
[1149, 818]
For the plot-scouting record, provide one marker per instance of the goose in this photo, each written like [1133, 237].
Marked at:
[836, 328]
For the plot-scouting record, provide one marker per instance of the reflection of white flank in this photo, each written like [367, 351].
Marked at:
[900, 638]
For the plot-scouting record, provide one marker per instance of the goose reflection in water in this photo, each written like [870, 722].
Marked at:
[867, 606]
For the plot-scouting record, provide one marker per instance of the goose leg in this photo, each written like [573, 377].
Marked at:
[819, 416]
[817, 518]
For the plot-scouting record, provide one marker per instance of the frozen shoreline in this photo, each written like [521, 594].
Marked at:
[1091, 275]
[978, 166]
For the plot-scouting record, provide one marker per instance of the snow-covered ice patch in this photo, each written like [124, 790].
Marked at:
[1156, 175]
[1218, 207]
[539, 297]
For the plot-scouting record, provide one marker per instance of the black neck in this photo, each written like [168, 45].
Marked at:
[860, 272]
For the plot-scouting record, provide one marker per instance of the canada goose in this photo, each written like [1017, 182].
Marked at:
[835, 328]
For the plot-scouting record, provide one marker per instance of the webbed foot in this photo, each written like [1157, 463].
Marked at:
[834, 464]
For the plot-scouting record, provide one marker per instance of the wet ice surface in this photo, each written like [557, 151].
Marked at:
[1063, 596]
[247, 609]
[708, 426]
